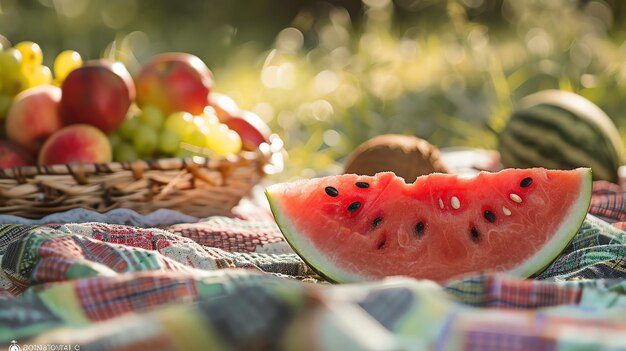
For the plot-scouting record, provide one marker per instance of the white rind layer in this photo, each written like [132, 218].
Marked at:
[305, 249]
[565, 232]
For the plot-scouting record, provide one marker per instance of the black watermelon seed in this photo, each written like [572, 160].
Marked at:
[381, 245]
[526, 182]
[331, 191]
[490, 216]
[354, 206]
[419, 228]
[475, 234]
[362, 185]
[376, 221]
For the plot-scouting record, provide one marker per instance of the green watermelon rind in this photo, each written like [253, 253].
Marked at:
[567, 230]
[536, 263]
[314, 259]
[575, 133]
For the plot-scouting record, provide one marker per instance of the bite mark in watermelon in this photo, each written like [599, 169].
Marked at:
[354, 228]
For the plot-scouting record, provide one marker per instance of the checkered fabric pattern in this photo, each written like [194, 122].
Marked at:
[608, 201]
[232, 284]
[102, 298]
[235, 235]
[506, 292]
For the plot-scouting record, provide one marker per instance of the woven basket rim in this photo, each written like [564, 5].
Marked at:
[197, 186]
[271, 154]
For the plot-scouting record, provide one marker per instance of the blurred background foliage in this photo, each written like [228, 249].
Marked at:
[328, 75]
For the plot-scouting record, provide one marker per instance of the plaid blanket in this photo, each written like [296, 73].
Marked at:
[234, 284]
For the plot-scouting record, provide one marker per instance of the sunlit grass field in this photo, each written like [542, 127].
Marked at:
[326, 82]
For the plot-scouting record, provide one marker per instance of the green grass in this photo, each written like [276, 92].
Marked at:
[454, 84]
[447, 71]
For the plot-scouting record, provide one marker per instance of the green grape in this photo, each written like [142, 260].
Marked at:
[129, 127]
[196, 137]
[66, 62]
[199, 121]
[10, 60]
[37, 75]
[180, 123]
[124, 152]
[211, 120]
[13, 80]
[115, 139]
[145, 140]
[31, 53]
[209, 117]
[5, 104]
[223, 141]
[184, 153]
[151, 116]
[169, 142]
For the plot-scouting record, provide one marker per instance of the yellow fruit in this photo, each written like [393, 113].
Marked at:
[31, 53]
[66, 62]
[223, 141]
[37, 75]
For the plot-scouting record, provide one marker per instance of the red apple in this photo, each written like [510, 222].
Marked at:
[251, 128]
[174, 82]
[99, 93]
[224, 106]
[12, 155]
[34, 116]
[76, 143]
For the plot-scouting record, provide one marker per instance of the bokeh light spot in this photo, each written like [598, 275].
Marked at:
[377, 4]
[588, 80]
[322, 110]
[539, 42]
[280, 76]
[326, 82]
[331, 137]
[70, 8]
[264, 110]
[290, 39]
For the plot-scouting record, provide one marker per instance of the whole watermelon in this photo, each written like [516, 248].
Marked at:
[561, 130]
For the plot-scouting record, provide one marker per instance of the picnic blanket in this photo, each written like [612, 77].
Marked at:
[234, 284]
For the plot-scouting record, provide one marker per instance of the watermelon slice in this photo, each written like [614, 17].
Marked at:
[353, 228]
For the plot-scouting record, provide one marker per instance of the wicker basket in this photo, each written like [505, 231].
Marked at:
[196, 186]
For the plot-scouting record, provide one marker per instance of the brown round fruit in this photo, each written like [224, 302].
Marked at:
[407, 156]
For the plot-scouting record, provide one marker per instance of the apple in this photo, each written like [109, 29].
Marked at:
[34, 116]
[174, 82]
[99, 93]
[80, 143]
[251, 128]
[225, 107]
[13, 155]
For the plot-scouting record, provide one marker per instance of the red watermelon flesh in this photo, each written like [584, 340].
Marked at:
[354, 228]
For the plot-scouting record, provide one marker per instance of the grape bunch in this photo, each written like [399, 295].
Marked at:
[171, 112]
[146, 133]
[21, 67]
